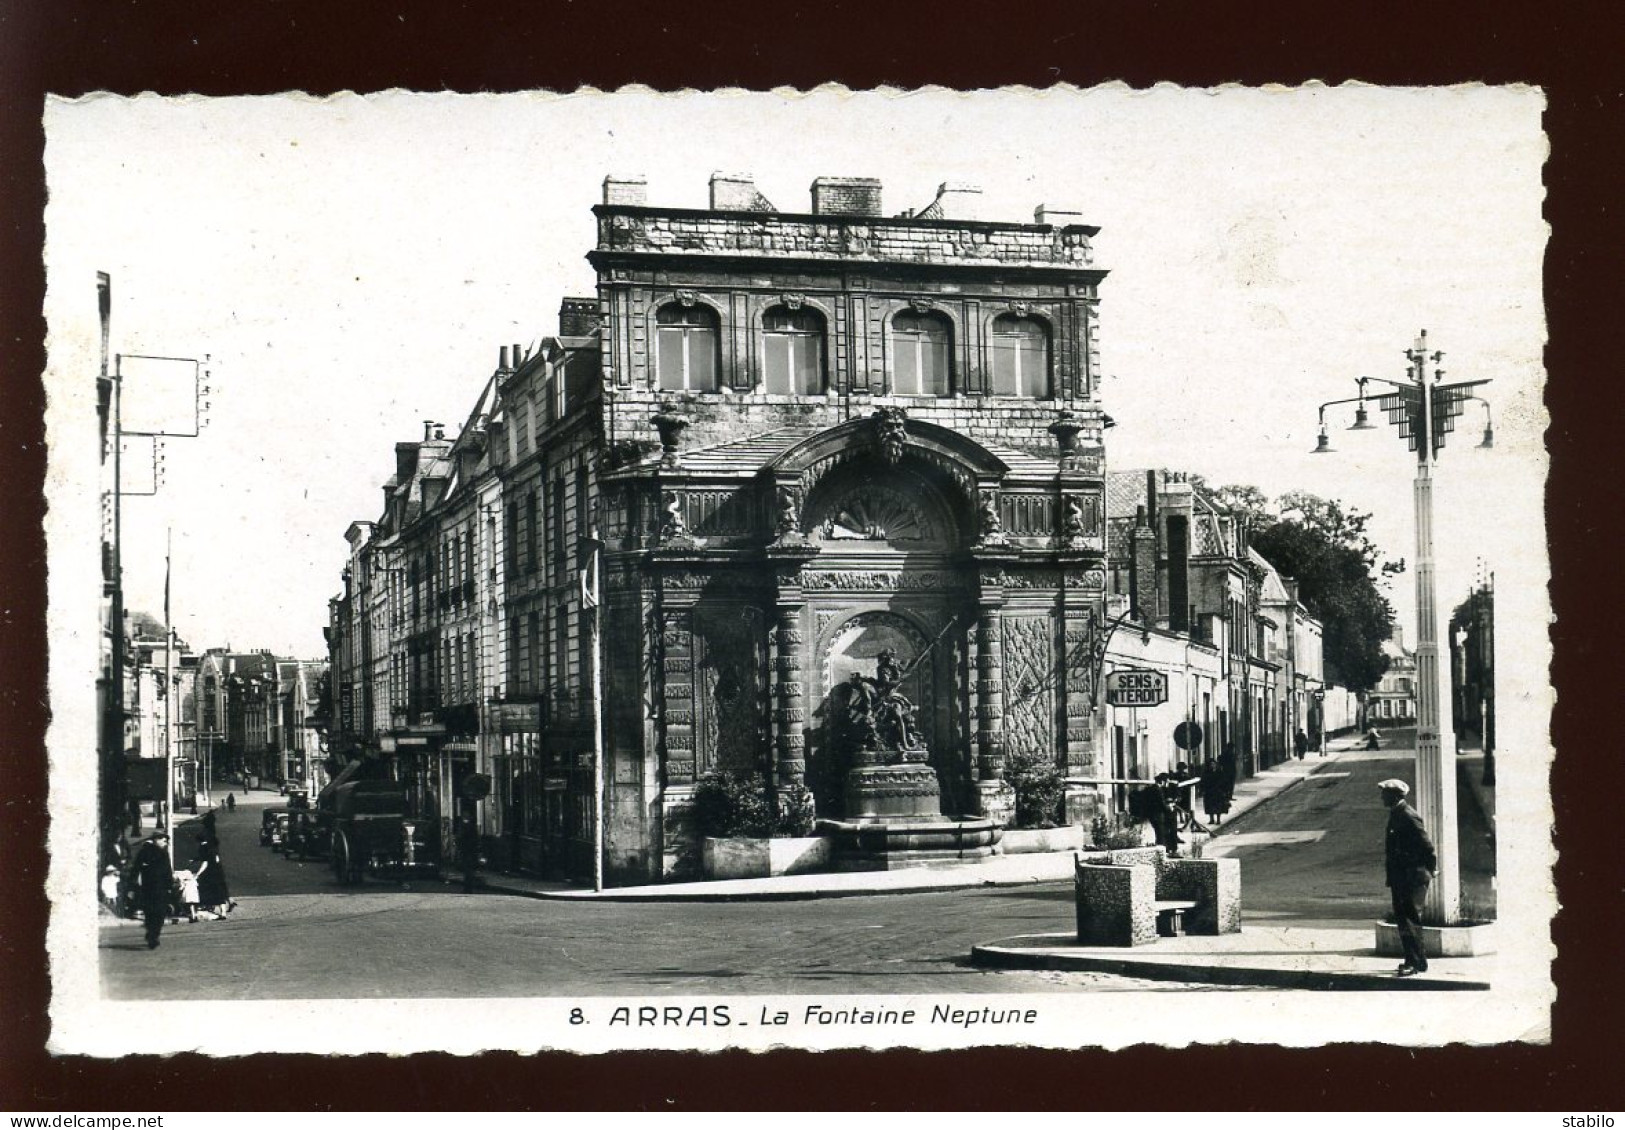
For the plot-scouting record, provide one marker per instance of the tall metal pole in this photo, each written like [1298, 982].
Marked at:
[169, 698]
[1435, 742]
[115, 788]
[591, 591]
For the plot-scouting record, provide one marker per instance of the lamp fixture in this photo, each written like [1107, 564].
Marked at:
[1362, 419]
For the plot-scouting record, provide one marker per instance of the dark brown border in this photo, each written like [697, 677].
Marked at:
[74, 46]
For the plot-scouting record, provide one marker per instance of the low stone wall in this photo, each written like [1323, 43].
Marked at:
[1017, 841]
[759, 859]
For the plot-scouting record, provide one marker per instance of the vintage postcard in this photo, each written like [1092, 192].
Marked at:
[618, 570]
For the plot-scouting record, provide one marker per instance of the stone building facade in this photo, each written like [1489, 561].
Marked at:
[774, 447]
[1241, 653]
[1393, 699]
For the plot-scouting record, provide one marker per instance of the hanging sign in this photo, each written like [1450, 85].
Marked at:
[1136, 687]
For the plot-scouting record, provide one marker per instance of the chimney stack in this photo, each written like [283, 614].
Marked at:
[578, 317]
[736, 192]
[846, 196]
[1177, 511]
[428, 430]
[626, 190]
[502, 360]
[1056, 217]
[1143, 569]
[959, 201]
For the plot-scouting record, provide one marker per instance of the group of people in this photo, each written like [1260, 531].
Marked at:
[151, 886]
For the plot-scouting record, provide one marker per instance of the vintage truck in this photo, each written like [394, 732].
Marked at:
[372, 831]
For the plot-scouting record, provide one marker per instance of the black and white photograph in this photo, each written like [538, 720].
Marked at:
[812, 568]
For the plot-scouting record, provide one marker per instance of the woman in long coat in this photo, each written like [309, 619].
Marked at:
[213, 892]
[1215, 791]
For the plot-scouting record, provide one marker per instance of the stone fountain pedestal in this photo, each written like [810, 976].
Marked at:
[894, 819]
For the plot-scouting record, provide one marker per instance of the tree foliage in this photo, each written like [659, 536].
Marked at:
[1325, 548]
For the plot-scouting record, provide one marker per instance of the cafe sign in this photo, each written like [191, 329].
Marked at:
[1136, 687]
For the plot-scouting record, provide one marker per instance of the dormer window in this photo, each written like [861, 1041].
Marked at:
[922, 350]
[686, 348]
[1020, 357]
[793, 351]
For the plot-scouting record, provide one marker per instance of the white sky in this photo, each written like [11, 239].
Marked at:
[352, 266]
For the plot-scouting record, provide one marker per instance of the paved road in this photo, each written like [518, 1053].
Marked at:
[296, 935]
[1314, 853]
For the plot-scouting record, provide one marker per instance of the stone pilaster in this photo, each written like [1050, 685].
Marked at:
[989, 694]
[677, 690]
[789, 694]
[994, 798]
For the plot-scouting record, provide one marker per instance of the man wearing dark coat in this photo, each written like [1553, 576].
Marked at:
[1411, 862]
[154, 880]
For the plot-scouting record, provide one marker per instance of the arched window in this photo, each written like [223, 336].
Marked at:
[922, 347]
[686, 348]
[793, 351]
[1020, 357]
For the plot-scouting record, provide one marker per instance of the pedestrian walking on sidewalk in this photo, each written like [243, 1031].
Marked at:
[1411, 861]
[1227, 772]
[154, 882]
[1300, 744]
[1215, 791]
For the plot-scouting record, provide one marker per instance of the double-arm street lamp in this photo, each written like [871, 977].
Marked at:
[1425, 410]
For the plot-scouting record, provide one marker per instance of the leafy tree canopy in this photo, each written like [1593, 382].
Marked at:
[1324, 547]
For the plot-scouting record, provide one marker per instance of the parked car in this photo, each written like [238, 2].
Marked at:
[298, 798]
[274, 828]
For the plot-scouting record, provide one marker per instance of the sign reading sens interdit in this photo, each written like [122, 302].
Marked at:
[1136, 687]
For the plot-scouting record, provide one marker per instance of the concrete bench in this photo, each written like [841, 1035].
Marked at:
[1132, 897]
[1171, 916]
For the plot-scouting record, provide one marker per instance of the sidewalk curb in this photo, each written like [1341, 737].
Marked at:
[995, 956]
[807, 894]
[930, 880]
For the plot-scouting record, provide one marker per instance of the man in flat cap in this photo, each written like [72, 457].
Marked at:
[1411, 862]
[153, 879]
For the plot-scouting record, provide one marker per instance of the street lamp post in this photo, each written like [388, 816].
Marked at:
[1424, 411]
